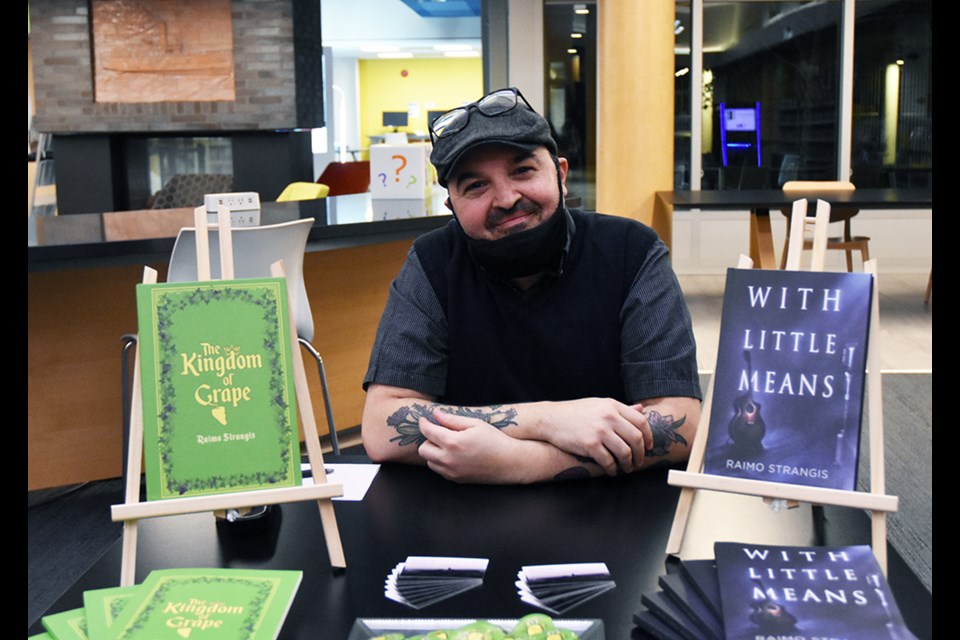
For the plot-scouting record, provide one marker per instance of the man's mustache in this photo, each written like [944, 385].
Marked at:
[498, 215]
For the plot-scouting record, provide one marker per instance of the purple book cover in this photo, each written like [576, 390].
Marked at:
[805, 592]
[788, 394]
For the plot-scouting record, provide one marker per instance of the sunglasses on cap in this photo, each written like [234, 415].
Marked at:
[493, 104]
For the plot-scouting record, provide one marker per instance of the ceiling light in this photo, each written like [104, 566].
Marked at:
[576, 35]
[677, 27]
[462, 54]
[581, 9]
[395, 54]
[572, 51]
[379, 48]
[682, 72]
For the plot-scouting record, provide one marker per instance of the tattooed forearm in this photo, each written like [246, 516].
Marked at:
[406, 420]
[574, 473]
[665, 432]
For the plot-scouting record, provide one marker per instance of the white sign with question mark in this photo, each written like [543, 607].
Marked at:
[400, 171]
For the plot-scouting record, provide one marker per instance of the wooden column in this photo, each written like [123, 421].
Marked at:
[635, 109]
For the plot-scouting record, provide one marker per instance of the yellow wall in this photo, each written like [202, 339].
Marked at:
[436, 84]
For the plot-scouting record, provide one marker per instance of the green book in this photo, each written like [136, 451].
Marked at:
[219, 402]
[41, 636]
[67, 625]
[208, 604]
[102, 606]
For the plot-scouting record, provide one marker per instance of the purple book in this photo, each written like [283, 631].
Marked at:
[788, 393]
[805, 592]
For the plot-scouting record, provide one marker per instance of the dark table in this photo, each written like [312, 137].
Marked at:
[622, 521]
[761, 201]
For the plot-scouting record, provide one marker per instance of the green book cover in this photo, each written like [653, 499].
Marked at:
[208, 604]
[102, 606]
[67, 625]
[219, 402]
[41, 636]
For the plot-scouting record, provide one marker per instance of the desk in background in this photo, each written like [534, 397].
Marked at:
[760, 202]
[411, 137]
[623, 521]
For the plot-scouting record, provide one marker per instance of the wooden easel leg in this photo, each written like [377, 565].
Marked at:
[331, 534]
[675, 541]
[878, 522]
[128, 567]
[309, 424]
[695, 461]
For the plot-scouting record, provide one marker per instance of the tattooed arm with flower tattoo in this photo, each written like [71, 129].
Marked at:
[526, 442]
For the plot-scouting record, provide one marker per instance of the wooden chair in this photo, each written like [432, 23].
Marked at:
[847, 242]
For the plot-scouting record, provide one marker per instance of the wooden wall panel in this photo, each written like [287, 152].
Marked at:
[348, 289]
[74, 423]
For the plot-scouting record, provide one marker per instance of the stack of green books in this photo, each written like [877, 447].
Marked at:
[216, 604]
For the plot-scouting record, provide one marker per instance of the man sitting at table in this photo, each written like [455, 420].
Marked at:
[525, 341]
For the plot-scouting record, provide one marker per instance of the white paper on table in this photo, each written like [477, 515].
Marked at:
[355, 478]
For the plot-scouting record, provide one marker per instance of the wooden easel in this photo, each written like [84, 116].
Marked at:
[133, 510]
[776, 493]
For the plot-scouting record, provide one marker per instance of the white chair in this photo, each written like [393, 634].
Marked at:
[254, 250]
[846, 242]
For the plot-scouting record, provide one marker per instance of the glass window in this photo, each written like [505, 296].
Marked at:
[783, 61]
[892, 108]
[773, 95]
[683, 86]
[570, 49]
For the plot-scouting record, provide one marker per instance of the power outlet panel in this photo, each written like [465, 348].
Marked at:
[244, 207]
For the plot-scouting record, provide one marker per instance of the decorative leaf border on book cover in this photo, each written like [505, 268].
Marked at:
[169, 305]
[103, 607]
[256, 607]
[67, 625]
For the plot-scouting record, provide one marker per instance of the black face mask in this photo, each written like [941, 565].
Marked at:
[525, 253]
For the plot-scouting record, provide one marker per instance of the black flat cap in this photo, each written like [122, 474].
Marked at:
[520, 127]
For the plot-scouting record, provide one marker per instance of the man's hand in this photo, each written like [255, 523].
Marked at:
[470, 450]
[614, 435]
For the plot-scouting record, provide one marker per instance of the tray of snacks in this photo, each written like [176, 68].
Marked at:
[535, 626]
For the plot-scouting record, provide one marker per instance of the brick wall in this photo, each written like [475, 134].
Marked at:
[266, 87]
